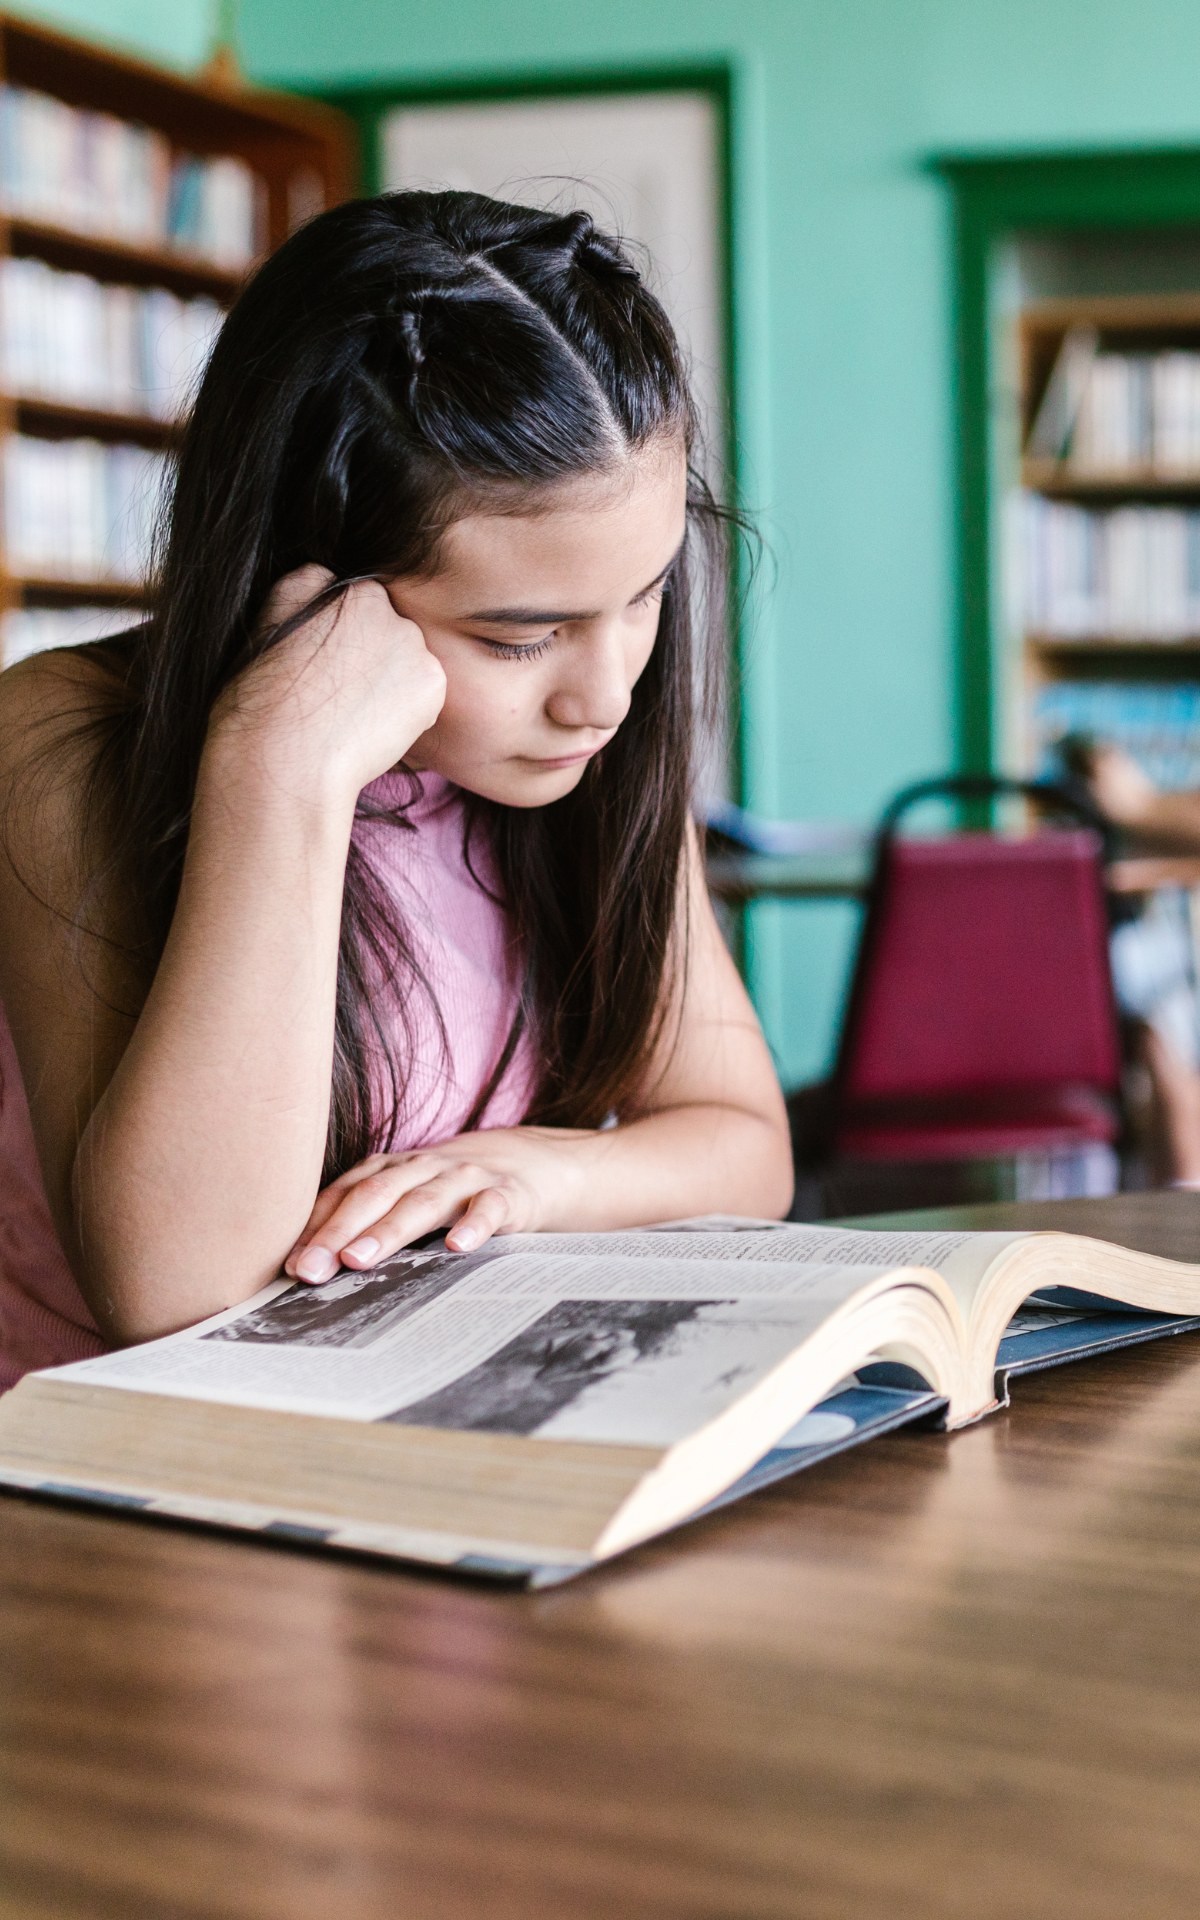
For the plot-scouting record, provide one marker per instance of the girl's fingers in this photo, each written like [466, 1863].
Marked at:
[488, 1212]
[326, 1203]
[433, 1205]
[294, 591]
[352, 1203]
[382, 1211]
[330, 1198]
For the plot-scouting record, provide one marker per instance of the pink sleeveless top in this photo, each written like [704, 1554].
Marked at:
[462, 942]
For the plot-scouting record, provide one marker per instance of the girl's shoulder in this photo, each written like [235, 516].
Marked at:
[51, 698]
[56, 710]
[102, 664]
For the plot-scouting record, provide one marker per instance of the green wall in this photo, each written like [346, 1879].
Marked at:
[178, 32]
[843, 284]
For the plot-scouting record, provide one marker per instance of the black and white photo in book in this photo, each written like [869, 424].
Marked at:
[640, 1371]
[355, 1309]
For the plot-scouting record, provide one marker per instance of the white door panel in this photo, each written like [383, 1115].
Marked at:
[647, 164]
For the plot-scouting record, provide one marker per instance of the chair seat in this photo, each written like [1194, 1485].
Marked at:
[977, 1125]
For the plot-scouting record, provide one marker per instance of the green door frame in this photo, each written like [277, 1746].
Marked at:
[995, 198]
[726, 84]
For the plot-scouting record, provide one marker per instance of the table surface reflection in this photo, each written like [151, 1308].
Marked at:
[936, 1676]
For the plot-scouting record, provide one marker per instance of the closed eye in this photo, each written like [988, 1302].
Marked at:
[651, 594]
[504, 651]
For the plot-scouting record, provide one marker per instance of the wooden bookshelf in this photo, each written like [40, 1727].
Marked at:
[1060, 480]
[29, 591]
[59, 420]
[1135, 325]
[175, 268]
[304, 153]
[1108, 645]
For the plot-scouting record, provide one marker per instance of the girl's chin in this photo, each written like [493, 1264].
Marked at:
[516, 783]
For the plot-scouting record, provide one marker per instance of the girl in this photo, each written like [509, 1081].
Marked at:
[354, 896]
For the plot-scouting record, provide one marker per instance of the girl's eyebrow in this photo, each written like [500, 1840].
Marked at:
[538, 616]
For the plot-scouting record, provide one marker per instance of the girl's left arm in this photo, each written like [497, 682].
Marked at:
[710, 1136]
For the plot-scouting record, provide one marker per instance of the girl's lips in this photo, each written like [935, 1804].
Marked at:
[565, 760]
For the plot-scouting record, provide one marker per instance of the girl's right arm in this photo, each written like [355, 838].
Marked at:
[181, 1142]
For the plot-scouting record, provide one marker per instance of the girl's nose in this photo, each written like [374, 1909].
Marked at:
[594, 690]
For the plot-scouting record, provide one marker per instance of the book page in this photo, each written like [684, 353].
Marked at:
[963, 1259]
[534, 1334]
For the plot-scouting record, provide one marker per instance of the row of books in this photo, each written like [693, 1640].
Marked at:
[99, 175]
[1119, 412]
[79, 510]
[67, 337]
[1127, 572]
[1159, 725]
[26, 630]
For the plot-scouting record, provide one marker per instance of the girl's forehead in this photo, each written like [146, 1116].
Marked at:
[604, 532]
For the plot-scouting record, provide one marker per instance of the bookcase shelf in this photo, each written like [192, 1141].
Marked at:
[72, 593]
[1123, 680]
[303, 153]
[1106, 241]
[1059, 480]
[1107, 644]
[59, 420]
[178, 269]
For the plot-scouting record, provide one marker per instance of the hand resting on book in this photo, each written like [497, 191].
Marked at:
[506, 1180]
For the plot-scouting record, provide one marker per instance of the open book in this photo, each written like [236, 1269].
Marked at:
[552, 1399]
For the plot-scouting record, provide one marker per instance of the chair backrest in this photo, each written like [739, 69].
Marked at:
[983, 963]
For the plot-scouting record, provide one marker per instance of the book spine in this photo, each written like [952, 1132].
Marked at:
[1135, 412]
[93, 173]
[79, 510]
[65, 336]
[1129, 572]
[1159, 725]
[27, 630]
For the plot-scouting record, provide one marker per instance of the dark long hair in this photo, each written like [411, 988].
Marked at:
[399, 360]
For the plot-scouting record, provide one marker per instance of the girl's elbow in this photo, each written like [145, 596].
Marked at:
[773, 1173]
[781, 1184]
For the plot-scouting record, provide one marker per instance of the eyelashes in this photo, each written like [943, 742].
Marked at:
[505, 652]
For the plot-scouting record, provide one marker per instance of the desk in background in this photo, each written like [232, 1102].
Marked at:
[934, 1677]
[739, 878]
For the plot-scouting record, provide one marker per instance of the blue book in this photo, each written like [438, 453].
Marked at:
[536, 1407]
[1158, 723]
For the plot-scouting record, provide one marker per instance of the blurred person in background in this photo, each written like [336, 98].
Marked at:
[1154, 958]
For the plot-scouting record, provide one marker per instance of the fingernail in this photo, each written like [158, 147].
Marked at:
[463, 1237]
[364, 1249]
[316, 1263]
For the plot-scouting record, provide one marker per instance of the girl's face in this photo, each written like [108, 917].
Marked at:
[543, 623]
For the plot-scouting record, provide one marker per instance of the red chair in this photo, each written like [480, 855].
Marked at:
[981, 1022]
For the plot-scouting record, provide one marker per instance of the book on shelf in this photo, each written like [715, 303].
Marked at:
[1054, 423]
[94, 174]
[1113, 413]
[1129, 571]
[551, 1400]
[1159, 724]
[27, 630]
[79, 509]
[69, 338]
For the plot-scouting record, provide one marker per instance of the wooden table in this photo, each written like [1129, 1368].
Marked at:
[841, 874]
[845, 874]
[937, 1677]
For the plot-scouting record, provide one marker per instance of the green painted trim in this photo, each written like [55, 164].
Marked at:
[659, 76]
[995, 197]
